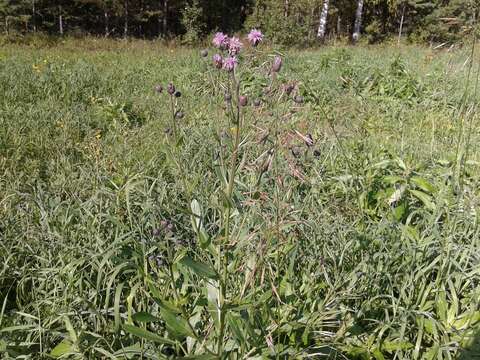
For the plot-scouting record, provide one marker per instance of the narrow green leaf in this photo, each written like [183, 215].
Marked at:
[144, 317]
[147, 335]
[198, 268]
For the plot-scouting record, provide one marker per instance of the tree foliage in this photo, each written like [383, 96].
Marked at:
[285, 21]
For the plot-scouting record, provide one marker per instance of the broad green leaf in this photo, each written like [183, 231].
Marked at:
[64, 347]
[176, 324]
[423, 184]
[144, 317]
[198, 268]
[424, 198]
[147, 335]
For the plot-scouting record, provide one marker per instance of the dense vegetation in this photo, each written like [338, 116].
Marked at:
[353, 221]
[289, 22]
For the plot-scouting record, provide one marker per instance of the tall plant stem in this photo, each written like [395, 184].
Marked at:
[222, 250]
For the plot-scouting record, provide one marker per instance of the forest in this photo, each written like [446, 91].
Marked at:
[285, 22]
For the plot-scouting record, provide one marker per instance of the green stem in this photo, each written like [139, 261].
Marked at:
[222, 252]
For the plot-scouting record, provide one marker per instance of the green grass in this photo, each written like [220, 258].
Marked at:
[364, 245]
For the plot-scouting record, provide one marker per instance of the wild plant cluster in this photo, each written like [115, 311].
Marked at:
[255, 205]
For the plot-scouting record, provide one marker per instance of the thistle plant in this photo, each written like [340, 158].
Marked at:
[210, 327]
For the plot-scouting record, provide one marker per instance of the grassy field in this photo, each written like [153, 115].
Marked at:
[121, 238]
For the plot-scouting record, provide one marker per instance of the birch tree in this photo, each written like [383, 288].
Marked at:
[358, 21]
[322, 25]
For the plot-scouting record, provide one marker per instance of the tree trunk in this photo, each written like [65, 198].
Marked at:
[125, 24]
[401, 25]
[34, 23]
[322, 26]
[107, 27]
[358, 21]
[286, 6]
[339, 25]
[60, 20]
[165, 17]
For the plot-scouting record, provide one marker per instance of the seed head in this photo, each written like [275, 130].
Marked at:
[277, 64]
[159, 89]
[204, 53]
[257, 102]
[243, 100]
[179, 114]
[228, 97]
[171, 88]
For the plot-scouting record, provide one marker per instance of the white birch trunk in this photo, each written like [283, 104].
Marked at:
[358, 21]
[125, 25]
[322, 26]
[60, 20]
[34, 23]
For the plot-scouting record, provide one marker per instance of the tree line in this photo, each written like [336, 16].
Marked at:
[289, 22]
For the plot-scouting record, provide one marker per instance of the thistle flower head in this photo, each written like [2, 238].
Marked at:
[255, 37]
[298, 99]
[243, 100]
[234, 46]
[220, 40]
[218, 61]
[171, 88]
[288, 88]
[230, 63]
[277, 64]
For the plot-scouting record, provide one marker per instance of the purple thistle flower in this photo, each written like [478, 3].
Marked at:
[255, 37]
[243, 100]
[234, 46]
[277, 64]
[230, 63]
[218, 61]
[220, 40]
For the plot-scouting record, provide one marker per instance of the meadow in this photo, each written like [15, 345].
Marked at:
[349, 229]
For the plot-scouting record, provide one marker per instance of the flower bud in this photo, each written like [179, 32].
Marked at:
[243, 100]
[178, 94]
[159, 89]
[218, 61]
[171, 89]
[277, 64]
[298, 99]
[204, 53]
[288, 88]
[228, 97]
[309, 140]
